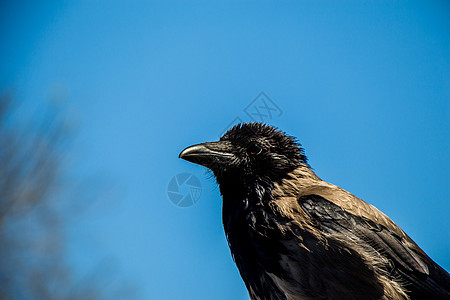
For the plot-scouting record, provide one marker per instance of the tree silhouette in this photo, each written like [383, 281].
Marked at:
[34, 205]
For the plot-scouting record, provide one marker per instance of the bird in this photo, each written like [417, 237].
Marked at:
[294, 236]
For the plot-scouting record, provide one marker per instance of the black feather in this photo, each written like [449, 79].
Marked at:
[294, 236]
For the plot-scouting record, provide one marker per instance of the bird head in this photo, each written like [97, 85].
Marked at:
[248, 152]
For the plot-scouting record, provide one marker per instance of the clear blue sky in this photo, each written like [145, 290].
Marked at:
[364, 85]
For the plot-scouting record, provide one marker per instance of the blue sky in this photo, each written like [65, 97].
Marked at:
[364, 85]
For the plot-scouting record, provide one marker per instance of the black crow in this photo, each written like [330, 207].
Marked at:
[295, 236]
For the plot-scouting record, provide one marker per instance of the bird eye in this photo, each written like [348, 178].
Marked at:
[254, 149]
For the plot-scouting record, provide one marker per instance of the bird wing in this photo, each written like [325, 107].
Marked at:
[417, 271]
[353, 205]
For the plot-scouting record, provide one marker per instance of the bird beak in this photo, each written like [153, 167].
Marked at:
[211, 155]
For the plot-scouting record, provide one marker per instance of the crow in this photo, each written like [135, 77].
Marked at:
[295, 236]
